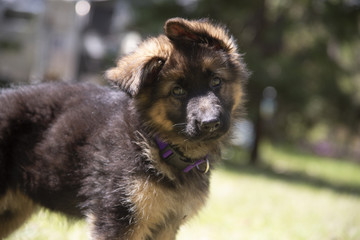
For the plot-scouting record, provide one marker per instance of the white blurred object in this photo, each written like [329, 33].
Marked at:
[82, 8]
[268, 103]
[94, 45]
[243, 134]
[129, 42]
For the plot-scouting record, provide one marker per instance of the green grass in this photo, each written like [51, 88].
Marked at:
[290, 195]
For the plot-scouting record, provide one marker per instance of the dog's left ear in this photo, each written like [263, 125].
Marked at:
[201, 32]
[140, 67]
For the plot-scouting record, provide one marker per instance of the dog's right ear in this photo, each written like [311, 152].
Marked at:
[140, 67]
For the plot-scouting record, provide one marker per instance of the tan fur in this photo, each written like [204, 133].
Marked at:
[128, 71]
[238, 95]
[91, 219]
[15, 209]
[156, 206]
[158, 115]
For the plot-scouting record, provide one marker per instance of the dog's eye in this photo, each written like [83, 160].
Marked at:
[178, 91]
[215, 82]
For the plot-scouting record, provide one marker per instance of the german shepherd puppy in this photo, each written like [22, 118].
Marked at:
[135, 163]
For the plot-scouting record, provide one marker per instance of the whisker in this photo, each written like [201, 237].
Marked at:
[179, 124]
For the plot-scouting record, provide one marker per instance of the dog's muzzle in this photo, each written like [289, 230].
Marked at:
[204, 118]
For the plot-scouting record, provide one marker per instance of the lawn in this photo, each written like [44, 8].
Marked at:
[291, 196]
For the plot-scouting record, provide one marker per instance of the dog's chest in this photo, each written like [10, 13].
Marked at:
[155, 204]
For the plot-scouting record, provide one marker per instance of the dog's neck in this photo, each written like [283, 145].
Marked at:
[174, 157]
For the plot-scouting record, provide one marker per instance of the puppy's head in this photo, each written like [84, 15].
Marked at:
[188, 83]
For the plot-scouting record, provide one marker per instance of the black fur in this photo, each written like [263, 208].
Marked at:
[61, 143]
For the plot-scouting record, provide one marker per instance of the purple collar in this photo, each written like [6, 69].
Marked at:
[173, 157]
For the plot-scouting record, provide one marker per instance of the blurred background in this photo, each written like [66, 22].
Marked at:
[294, 162]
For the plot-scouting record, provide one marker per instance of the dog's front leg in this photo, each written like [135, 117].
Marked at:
[110, 227]
[107, 226]
[167, 233]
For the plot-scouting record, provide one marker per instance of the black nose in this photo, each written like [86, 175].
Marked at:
[210, 125]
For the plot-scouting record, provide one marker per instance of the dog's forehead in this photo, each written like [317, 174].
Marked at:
[197, 64]
[197, 60]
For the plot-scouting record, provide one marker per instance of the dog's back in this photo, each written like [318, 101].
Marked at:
[49, 119]
[39, 126]
[25, 114]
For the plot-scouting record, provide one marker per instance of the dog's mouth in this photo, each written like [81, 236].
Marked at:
[208, 137]
[200, 131]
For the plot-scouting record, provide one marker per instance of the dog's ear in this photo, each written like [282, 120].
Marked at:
[130, 76]
[140, 67]
[201, 32]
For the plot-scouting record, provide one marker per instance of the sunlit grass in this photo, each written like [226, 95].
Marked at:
[289, 196]
[333, 170]
[50, 226]
[247, 206]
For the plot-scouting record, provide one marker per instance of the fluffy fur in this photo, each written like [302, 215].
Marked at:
[89, 151]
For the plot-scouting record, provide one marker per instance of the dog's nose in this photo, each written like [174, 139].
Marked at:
[210, 125]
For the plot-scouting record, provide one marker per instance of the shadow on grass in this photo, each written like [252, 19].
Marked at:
[294, 177]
